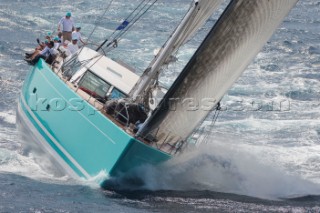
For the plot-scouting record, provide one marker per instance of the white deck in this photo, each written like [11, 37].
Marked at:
[107, 69]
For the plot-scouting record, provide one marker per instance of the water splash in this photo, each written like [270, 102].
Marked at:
[8, 117]
[219, 167]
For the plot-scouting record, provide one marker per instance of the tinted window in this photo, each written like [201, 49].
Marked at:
[116, 94]
[94, 86]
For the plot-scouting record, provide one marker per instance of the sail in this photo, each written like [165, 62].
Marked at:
[237, 37]
[199, 16]
[199, 12]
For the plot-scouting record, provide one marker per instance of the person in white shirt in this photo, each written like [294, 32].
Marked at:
[57, 43]
[73, 46]
[66, 25]
[76, 34]
[64, 49]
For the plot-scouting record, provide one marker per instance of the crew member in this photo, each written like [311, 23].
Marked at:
[66, 25]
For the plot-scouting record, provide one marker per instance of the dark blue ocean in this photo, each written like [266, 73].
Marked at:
[262, 155]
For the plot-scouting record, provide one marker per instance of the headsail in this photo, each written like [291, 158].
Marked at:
[199, 12]
[203, 11]
[240, 33]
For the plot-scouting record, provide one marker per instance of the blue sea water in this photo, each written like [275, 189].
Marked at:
[263, 154]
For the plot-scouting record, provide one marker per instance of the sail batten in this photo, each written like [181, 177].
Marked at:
[237, 37]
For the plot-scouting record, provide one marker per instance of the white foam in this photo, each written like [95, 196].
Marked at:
[8, 117]
[95, 181]
[232, 168]
[13, 162]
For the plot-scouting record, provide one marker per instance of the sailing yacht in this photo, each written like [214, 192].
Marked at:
[94, 114]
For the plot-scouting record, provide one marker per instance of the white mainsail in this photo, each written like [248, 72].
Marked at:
[237, 37]
[199, 12]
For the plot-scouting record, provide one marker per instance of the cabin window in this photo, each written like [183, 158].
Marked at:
[116, 94]
[94, 86]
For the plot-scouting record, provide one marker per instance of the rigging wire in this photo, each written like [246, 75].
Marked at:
[135, 9]
[99, 18]
[127, 18]
[213, 122]
[136, 18]
[201, 130]
[89, 37]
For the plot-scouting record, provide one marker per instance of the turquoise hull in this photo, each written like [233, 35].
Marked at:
[83, 139]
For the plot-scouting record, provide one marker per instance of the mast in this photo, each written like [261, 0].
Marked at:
[187, 27]
[234, 41]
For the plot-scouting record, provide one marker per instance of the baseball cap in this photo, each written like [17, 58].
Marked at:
[74, 37]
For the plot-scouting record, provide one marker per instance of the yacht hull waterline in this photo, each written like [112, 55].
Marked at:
[83, 140]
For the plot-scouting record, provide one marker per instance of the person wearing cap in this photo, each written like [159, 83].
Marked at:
[64, 49]
[48, 36]
[57, 42]
[66, 25]
[73, 46]
[42, 46]
[76, 34]
[48, 53]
